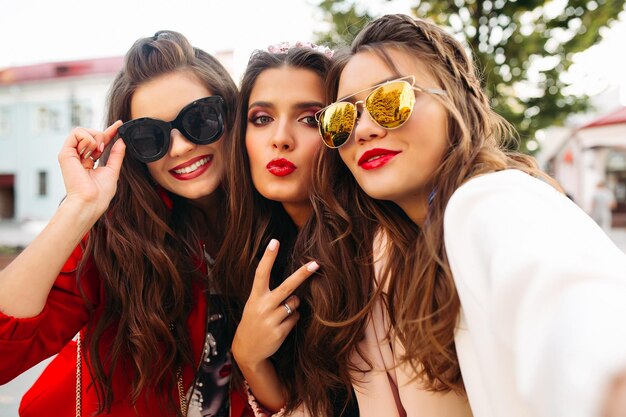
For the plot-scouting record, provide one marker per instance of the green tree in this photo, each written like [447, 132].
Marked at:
[521, 47]
[346, 20]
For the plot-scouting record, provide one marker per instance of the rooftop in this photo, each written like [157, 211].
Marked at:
[55, 70]
[616, 117]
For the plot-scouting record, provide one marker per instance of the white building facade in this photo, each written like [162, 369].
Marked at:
[39, 105]
[589, 154]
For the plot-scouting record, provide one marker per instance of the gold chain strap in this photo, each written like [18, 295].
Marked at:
[179, 382]
[79, 398]
[181, 391]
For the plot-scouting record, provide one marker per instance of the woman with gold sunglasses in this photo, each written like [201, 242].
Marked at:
[495, 294]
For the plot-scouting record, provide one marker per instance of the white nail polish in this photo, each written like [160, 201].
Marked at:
[312, 267]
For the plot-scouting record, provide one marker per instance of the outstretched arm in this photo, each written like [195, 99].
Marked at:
[548, 289]
[615, 403]
[27, 281]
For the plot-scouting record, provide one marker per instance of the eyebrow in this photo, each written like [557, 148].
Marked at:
[302, 105]
[307, 104]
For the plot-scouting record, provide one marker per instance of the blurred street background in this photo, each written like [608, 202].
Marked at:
[551, 67]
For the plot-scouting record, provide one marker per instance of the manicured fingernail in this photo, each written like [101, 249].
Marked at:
[83, 151]
[312, 267]
[87, 155]
[101, 147]
[273, 244]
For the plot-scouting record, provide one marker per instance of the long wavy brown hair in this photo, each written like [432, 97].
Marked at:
[421, 299]
[148, 255]
[312, 362]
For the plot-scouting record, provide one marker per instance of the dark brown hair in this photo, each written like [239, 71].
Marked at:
[422, 300]
[312, 362]
[146, 254]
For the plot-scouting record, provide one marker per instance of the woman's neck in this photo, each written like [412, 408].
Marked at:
[214, 217]
[298, 212]
[416, 208]
[211, 204]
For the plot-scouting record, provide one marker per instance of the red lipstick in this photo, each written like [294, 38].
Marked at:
[280, 167]
[376, 158]
[192, 169]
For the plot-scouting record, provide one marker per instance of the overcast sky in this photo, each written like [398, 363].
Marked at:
[33, 31]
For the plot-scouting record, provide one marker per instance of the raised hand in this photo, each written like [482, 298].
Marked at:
[269, 315]
[26, 282]
[91, 187]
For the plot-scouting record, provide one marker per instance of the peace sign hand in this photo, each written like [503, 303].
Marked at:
[269, 315]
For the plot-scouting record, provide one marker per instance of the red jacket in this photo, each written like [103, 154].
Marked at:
[26, 342]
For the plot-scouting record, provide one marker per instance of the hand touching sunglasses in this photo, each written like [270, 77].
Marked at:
[389, 105]
[201, 122]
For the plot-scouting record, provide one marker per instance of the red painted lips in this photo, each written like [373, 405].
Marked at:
[192, 168]
[376, 158]
[281, 167]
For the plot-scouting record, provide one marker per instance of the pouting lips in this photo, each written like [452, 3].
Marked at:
[281, 167]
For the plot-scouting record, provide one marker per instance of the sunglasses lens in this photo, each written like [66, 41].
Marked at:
[390, 105]
[147, 140]
[204, 122]
[336, 124]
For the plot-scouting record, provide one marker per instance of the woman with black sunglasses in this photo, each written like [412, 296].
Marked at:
[496, 295]
[288, 356]
[138, 289]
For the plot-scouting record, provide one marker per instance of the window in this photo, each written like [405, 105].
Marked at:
[7, 196]
[80, 115]
[42, 186]
[4, 121]
[47, 119]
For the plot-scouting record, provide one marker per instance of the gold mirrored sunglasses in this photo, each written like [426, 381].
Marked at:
[389, 105]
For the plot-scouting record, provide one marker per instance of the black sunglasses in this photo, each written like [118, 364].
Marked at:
[202, 122]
